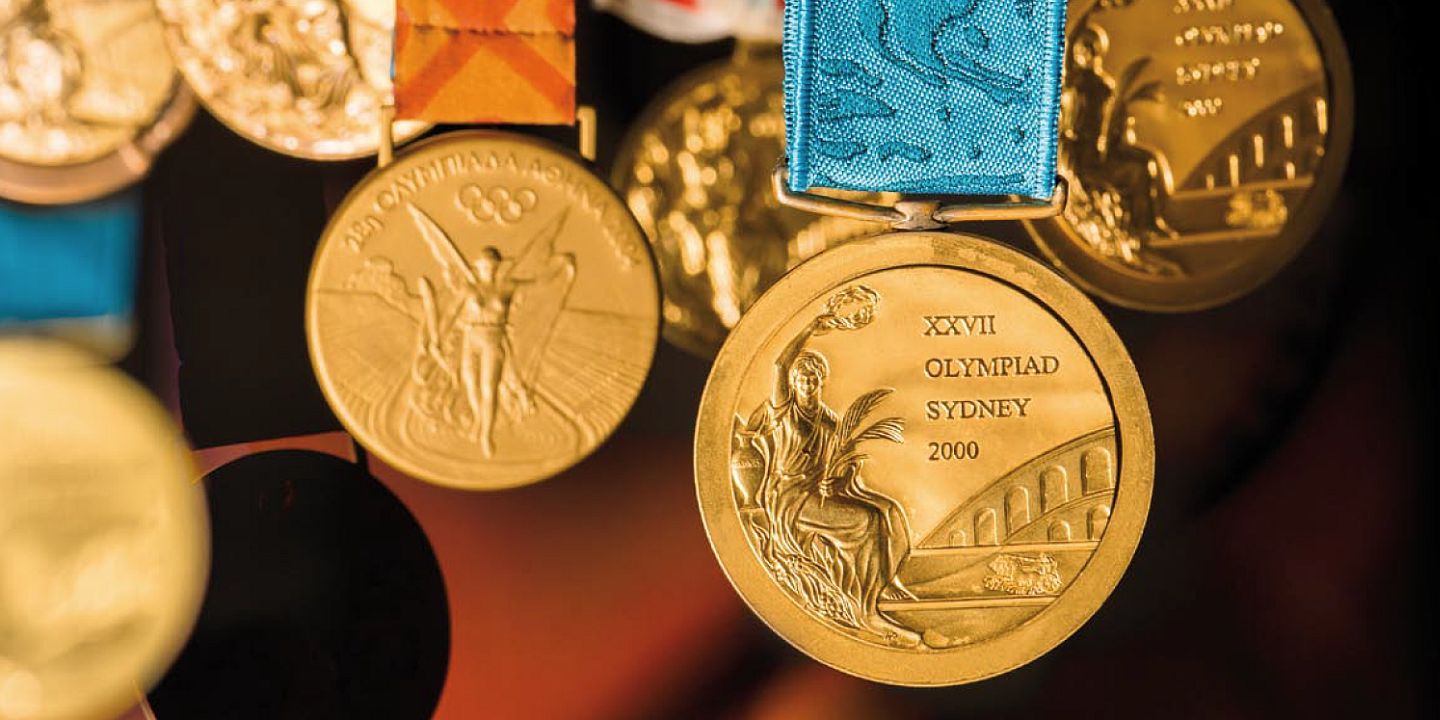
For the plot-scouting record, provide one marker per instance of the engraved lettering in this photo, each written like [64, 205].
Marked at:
[361, 230]
[954, 450]
[964, 325]
[1234, 34]
[1183, 7]
[1001, 366]
[979, 409]
[1202, 107]
[1234, 70]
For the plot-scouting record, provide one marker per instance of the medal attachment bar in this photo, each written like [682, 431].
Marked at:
[916, 214]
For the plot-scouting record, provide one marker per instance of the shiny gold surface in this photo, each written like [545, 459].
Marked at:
[1202, 141]
[88, 95]
[302, 77]
[104, 542]
[482, 312]
[695, 171]
[923, 458]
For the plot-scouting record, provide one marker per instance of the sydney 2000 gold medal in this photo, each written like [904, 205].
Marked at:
[1202, 142]
[924, 458]
[482, 312]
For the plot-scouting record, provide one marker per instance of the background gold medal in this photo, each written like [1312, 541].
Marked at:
[695, 171]
[482, 312]
[923, 458]
[104, 541]
[305, 78]
[88, 97]
[1202, 143]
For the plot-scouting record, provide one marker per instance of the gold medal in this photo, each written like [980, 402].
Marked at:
[306, 78]
[88, 97]
[483, 311]
[1202, 142]
[923, 458]
[695, 170]
[104, 543]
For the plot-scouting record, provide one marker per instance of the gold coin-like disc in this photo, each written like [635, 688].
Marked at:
[1203, 143]
[923, 458]
[305, 78]
[695, 170]
[482, 312]
[104, 540]
[88, 97]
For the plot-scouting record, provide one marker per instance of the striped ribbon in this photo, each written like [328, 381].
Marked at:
[485, 61]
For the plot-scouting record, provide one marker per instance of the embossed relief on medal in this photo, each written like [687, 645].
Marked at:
[483, 312]
[79, 78]
[302, 77]
[696, 174]
[924, 458]
[1191, 131]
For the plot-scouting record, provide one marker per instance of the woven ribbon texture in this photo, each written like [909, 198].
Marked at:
[485, 61]
[924, 96]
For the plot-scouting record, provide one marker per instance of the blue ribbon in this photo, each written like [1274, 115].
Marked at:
[76, 261]
[955, 97]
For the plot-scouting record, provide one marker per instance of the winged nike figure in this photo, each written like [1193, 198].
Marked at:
[488, 325]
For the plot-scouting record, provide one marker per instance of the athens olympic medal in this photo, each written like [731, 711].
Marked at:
[104, 538]
[923, 458]
[482, 312]
[305, 78]
[88, 98]
[695, 170]
[1203, 143]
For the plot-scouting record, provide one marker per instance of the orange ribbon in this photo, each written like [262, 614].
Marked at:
[485, 61]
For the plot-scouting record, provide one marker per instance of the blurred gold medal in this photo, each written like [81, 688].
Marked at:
[306, 78]
[104, 542]
[1202, 143]
[924, 458]
[695, 170]
[88, 97]
[483, 311]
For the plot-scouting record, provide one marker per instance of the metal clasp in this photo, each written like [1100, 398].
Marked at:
[586, 125]
[916, 214]
[385, 153]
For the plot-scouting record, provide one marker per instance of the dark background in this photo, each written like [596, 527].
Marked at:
[1279, 573]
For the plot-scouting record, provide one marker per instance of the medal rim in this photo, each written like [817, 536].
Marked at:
[50, 360]
[312, 322]
[175, 44]
[123, 166]
[1058, 243]
[986, 658]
